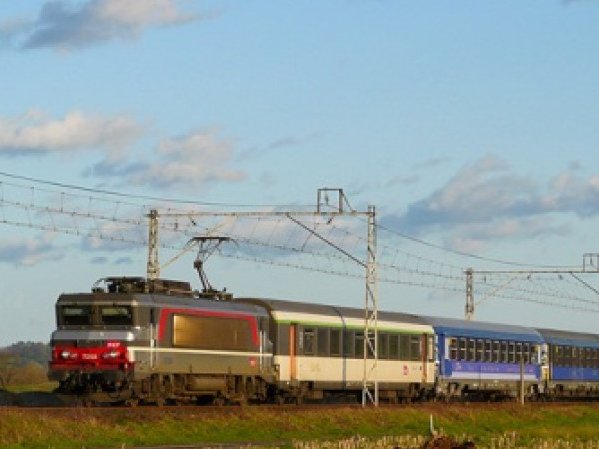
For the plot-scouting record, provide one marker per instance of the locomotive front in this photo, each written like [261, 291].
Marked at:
[94, 330]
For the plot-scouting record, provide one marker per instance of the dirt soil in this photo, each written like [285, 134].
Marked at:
[447, 443]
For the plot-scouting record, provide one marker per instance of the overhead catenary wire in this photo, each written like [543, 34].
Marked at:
[267, 240]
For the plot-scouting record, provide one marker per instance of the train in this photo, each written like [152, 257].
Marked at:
[133, 340]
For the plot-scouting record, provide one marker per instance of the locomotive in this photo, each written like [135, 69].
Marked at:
[132, 339]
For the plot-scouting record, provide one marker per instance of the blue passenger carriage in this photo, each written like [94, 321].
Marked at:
[572, 365]
[486, 360]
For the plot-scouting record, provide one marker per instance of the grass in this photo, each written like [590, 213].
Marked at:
[494, 427]
[45, 387]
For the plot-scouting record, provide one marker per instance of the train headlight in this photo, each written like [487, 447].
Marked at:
[111, 355]
[68, 355]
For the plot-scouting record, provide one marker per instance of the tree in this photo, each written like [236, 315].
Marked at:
[9, 365]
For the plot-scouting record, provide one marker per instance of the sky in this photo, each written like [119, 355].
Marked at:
[470, 125]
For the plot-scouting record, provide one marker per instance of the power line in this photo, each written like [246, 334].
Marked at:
[267, 235]
[135, 196]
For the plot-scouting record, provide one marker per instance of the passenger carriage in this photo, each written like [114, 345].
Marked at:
[319, 351]
[486, 360]
[572, 364]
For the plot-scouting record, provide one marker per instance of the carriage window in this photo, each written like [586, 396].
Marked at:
[348, 343]
[335, 342]
[533, 357]
[471, 349]
[116, 315]
[511, 352]
[309, 337]
[359, 348]
[558, 356]
[404, 347]
[415, 347]
[496, 351]
[462, 349]
[322, 341]
[504, 352]
[453, 349]
[393, 347]
[480, 351]
[383, 348]
[488, 351]
[518, 353]
[76, 315]
[588, 358]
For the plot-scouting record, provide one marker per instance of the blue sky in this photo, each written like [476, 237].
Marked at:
[469, 124]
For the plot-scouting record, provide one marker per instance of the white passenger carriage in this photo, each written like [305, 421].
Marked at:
[319, 351]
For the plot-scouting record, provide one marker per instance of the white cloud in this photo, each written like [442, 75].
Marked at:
[487, 201]
[138, 13]
[35, 133]
[28, 252]
[67, 25]
[191, 161]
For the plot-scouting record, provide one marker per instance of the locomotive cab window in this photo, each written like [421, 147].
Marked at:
[116, 315]
[75, 315]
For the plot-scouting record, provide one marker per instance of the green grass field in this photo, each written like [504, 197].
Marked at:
[489, 426]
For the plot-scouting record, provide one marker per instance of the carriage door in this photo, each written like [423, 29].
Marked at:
[153, 338]
[424, 351]
[293, 351]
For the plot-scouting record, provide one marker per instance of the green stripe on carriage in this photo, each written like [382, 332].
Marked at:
[355, 327]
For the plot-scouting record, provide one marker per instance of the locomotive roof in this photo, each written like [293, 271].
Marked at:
[568, 338]
[278, 305]
[478, 329]
[160, 300]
